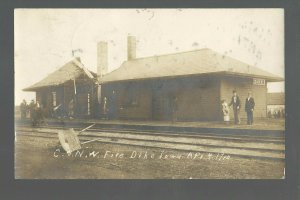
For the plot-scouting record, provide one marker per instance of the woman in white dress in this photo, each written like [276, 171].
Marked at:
[225, 110]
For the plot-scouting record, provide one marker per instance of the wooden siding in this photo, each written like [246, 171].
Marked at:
[199, 103]
[198, 99]
[123, 109]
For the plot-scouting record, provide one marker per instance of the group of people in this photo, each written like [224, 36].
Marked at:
[37, 112]
[34, 110]
[276, 113]
[236, 106]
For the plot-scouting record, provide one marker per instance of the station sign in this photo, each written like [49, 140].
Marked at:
[258, 81]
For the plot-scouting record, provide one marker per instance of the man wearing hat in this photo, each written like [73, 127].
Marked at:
[236, 104]
[249, 108]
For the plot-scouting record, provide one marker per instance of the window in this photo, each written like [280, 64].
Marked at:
[131, 96]
[54, 99]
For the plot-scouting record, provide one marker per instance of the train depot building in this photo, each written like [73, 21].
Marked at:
[146, 88]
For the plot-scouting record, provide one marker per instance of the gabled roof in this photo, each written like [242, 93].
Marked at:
[276, 98]
[70, 71]
[203, 61]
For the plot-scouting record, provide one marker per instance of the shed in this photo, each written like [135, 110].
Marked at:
[276, 98]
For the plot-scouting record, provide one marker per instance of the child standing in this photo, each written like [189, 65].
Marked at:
[225, 110]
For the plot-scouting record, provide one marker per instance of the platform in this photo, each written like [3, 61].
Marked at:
[272, 127]
[261, 124]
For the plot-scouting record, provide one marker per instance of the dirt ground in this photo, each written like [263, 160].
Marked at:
[42, 158]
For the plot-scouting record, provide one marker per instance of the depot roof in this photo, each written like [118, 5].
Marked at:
[203, 61]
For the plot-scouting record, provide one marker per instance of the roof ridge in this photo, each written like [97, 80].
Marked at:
[168, 54]
[197, 50]
[215, 62]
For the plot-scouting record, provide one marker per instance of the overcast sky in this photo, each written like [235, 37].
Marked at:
[44, 38]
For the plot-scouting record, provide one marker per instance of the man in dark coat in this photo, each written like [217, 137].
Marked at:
[249, 108]
[23, 108]
[105, 108]
[31, 109]
[236, 104]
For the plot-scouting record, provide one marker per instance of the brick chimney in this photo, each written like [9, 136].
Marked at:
[102, 56]
[131, 47]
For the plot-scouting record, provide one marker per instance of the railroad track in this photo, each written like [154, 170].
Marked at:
[262, 147]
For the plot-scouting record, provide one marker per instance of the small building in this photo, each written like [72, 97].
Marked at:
[275, 99]
[145, 88]
[72, 82]
[276, 104]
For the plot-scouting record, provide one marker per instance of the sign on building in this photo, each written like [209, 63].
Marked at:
[258, 81]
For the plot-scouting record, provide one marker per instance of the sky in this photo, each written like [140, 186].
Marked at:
[45, 38]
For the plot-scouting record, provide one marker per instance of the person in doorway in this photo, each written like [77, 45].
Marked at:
[225, 111]
[236, 104]
[249, 108]
[23, 109]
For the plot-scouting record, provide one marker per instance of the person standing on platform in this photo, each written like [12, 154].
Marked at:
[38, 114]
[23, 109]
[236, 104]
[105, 108]
[249, 108]
[225, 111]
[31, 109]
